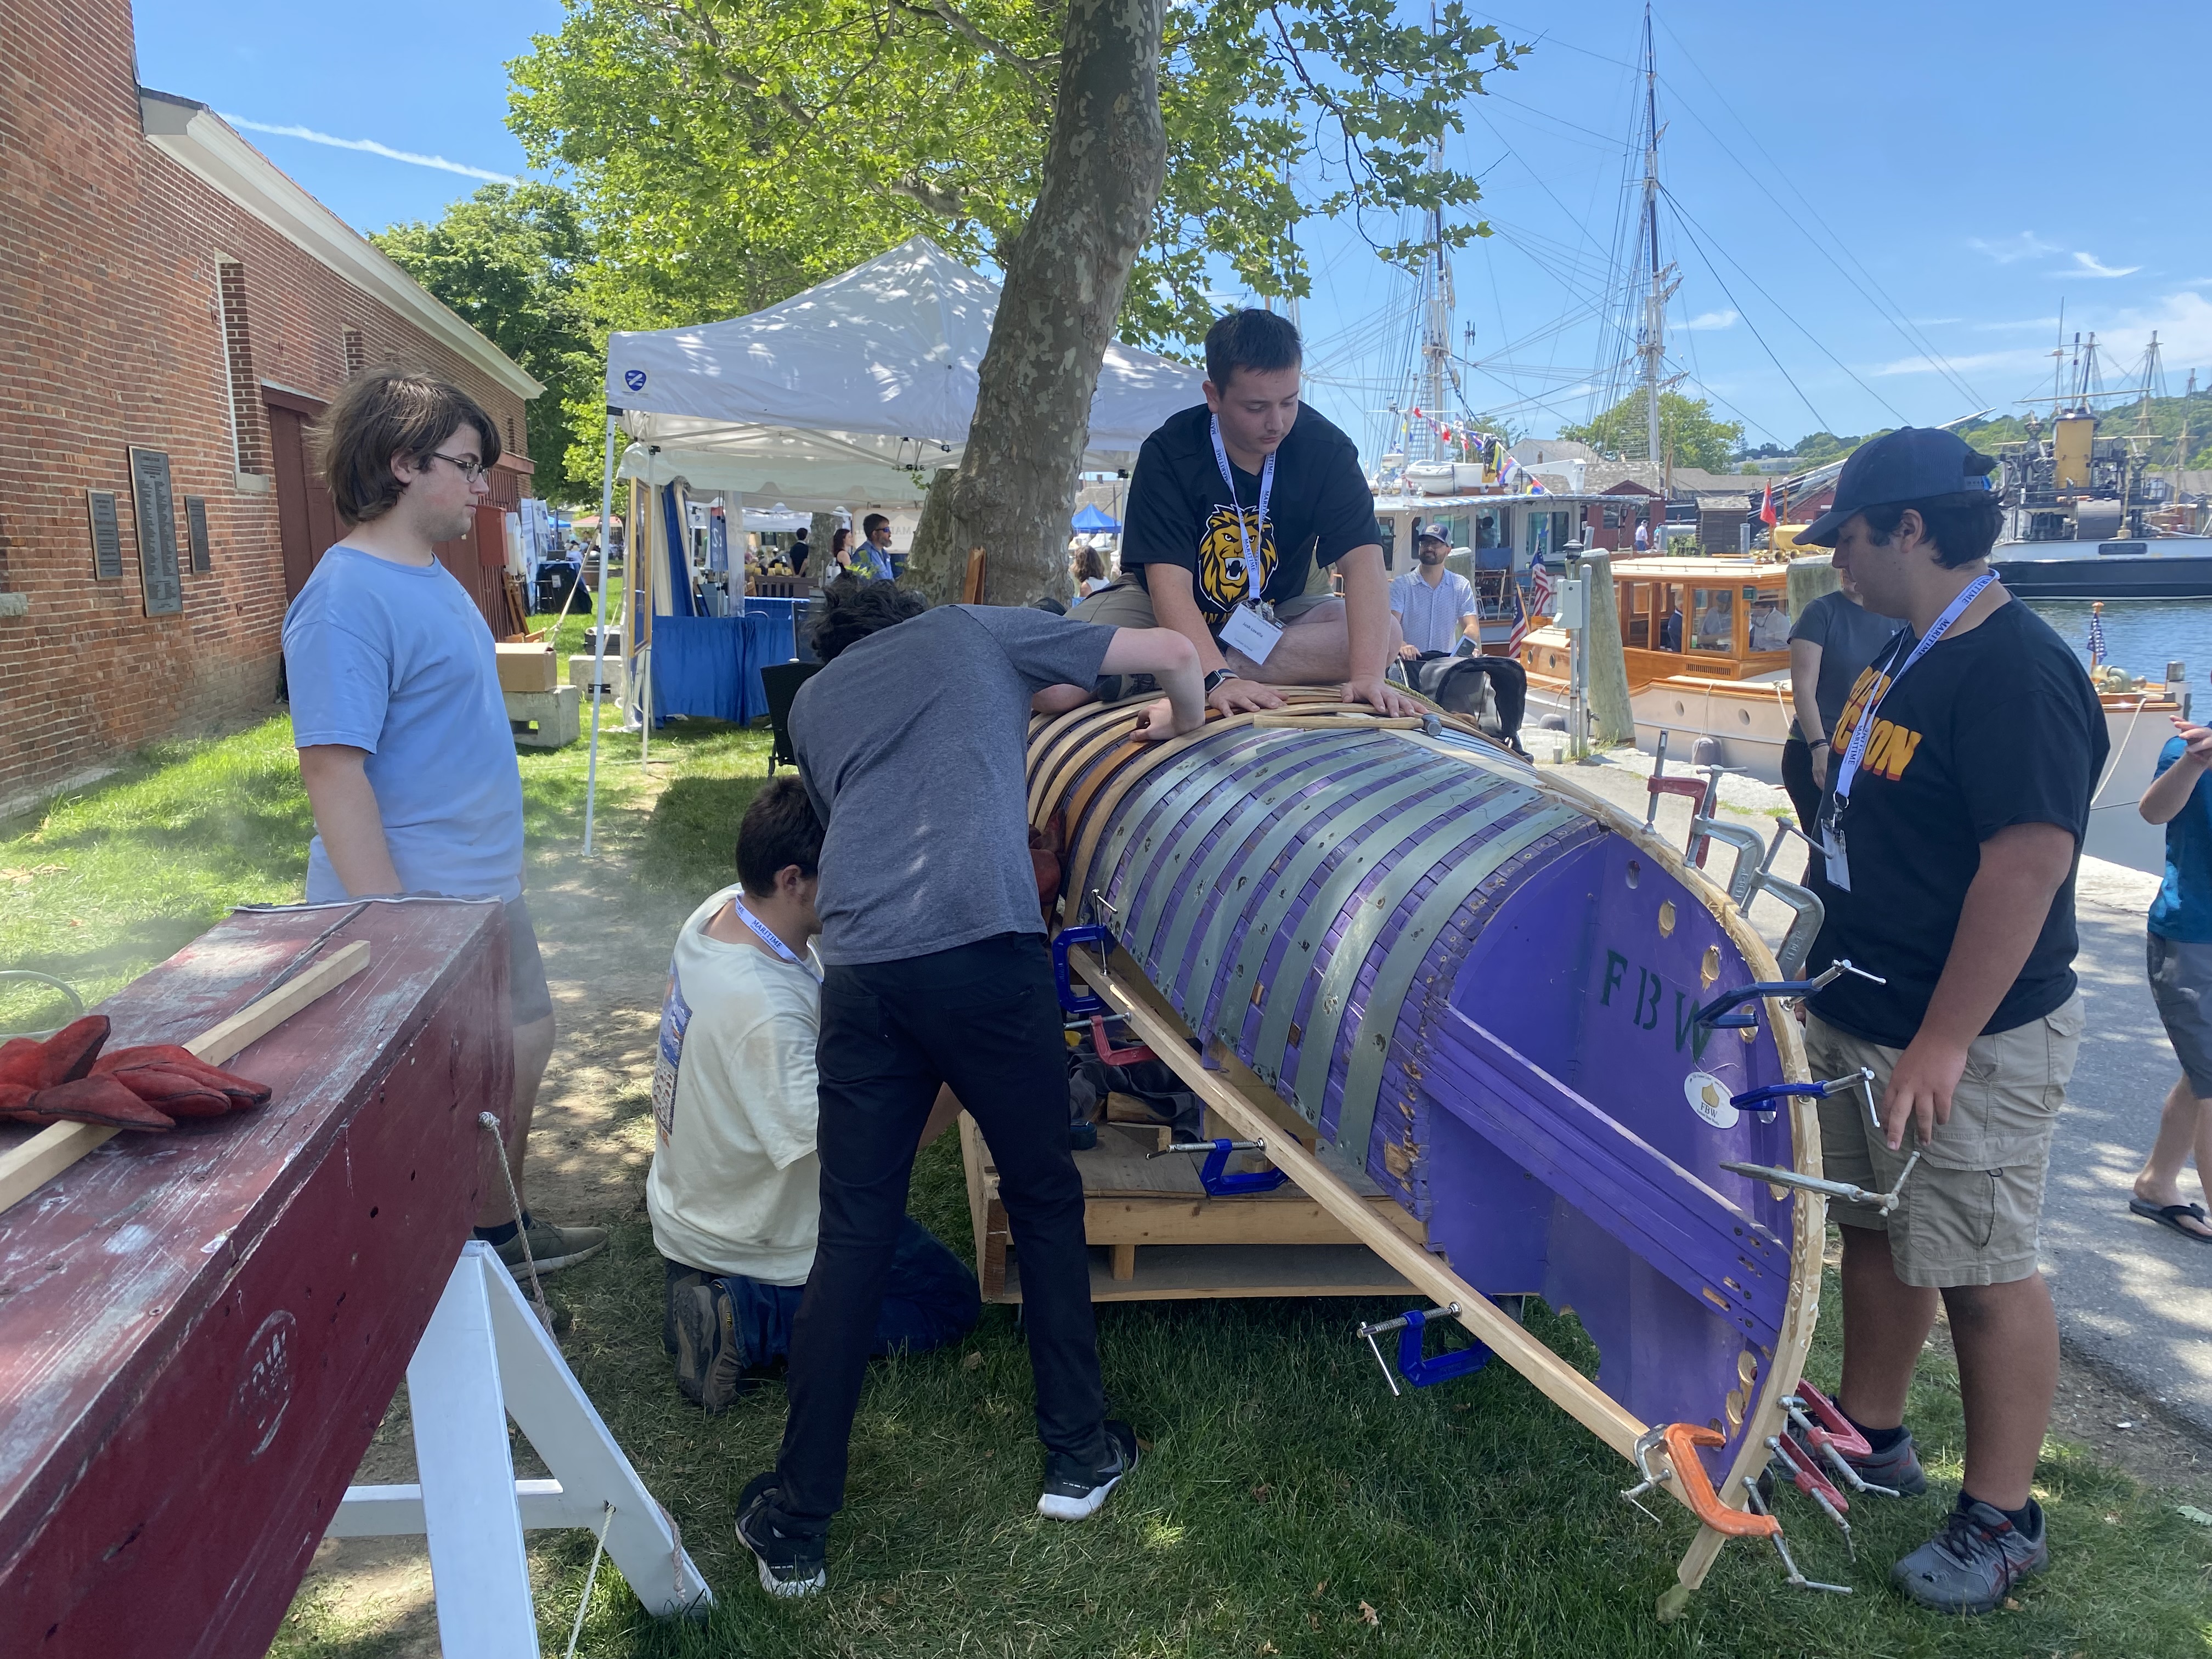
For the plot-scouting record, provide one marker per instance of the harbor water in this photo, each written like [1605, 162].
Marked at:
[2141, 636]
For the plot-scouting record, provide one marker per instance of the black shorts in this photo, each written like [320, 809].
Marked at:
[529, 998]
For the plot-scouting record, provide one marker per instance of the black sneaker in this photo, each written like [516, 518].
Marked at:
[1075, 1493]
[1973, 1563]
[1898, 1469]
[1119, 688]
[710, 1355]
[790, 1563]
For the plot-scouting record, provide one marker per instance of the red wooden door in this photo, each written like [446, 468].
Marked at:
[306, 518]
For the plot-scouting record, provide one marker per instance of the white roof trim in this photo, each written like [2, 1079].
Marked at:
[199, 141]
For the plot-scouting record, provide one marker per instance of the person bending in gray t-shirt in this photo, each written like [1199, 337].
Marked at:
[911, 741]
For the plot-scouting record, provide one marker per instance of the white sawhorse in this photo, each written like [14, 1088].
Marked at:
[483, 1358]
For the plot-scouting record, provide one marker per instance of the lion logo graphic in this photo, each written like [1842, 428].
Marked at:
[1224, 579]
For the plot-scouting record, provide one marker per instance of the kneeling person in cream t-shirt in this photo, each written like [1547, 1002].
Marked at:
[734, 1191]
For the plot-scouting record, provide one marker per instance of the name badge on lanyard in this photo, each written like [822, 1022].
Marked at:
[1833, 847]
[1247, 628]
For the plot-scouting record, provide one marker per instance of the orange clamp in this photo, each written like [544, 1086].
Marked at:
[1681, 1441]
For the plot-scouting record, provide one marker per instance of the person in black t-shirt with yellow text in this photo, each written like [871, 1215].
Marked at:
[1238, 512]
[1963, 763]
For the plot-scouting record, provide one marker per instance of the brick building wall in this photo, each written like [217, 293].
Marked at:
[114, 333]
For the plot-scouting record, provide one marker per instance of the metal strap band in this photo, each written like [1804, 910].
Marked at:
[1451, 827]
[1270, 913]
[1378, 1020]
[1194, 769]
[1375, 764]
[1094, 731]
[1278, 769]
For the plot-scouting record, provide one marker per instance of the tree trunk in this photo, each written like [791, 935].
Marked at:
[1014, 488]
[821, 531]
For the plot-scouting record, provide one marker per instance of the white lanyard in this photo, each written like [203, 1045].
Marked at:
[761, 931]
[1266, 488]
[1864, 730]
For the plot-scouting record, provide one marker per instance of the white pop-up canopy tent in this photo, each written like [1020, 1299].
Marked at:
[848, 395]
[853, 392]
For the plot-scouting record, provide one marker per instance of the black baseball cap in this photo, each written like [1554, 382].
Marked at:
[1912, 463]
[1431, 533]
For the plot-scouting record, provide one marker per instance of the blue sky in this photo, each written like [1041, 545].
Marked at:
[1972, 168]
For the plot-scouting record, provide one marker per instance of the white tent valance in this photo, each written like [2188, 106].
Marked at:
[855, 391]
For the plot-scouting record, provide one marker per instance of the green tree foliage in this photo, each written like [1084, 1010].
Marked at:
[511, 260]
[1687, 431]
[730, 152]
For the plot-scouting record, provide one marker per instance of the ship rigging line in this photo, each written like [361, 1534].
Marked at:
[1879, 299]
[1692, 227]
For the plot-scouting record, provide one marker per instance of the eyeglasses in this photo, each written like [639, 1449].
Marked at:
[470, 469]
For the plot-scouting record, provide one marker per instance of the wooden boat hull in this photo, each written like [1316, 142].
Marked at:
[201, 1329]
[1477, 988]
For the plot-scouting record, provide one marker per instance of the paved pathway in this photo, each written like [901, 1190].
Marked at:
[2134, 1298]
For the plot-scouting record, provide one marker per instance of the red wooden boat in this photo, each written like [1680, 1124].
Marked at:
[199, 1331]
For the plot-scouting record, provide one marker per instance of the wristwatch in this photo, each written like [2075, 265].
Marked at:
[1217, 677]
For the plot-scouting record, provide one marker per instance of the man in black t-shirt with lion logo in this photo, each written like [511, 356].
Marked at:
[1238, 512]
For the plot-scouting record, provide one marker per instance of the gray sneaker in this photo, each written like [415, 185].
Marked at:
[552, 1248]
[710, 1355]
[1898, 1469]
[1973, 1563]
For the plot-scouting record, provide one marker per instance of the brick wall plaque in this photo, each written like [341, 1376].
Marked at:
[106, 539]
[196, 532]
[155, 510]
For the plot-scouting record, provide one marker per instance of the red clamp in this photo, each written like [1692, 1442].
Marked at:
[1111, 1055]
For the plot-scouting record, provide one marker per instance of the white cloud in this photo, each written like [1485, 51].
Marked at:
[2090, 265]
[1706, 321]
[2025, 245]
[373, 148]
[1972, 361]
[2182, 321]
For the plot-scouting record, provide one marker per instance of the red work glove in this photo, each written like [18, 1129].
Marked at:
[165, 1075]
[98, 1100]
[62, 1058]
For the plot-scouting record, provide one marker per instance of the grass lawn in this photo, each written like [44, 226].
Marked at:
[1288, 1504]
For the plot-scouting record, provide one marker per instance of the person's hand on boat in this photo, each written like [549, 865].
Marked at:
[1920, 1089]
[1381, 696]
[1409, 653]
[1242, 697]
[1156, 722]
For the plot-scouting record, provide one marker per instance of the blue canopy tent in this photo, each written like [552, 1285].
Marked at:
[1090, 518]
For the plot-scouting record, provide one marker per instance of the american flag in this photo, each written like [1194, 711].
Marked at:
[1540, 585]
[2096, 635]
[1520, 622]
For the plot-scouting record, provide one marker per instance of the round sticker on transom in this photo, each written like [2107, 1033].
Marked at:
[1708, 1098]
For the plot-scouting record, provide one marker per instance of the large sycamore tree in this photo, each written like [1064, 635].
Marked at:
[1119, 161]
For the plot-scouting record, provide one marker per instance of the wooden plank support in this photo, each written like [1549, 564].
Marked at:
[1558, 1382]
[30, 1166]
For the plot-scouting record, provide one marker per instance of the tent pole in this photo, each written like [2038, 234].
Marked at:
[652, 599]
[599, 633]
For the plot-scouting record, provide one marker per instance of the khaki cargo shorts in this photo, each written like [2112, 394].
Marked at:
[1970, 1213]
[1126, 603]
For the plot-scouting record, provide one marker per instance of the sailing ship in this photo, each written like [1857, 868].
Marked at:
[2085, 516]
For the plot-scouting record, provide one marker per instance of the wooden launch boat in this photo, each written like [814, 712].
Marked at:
[1391, 950]
[1706, 642]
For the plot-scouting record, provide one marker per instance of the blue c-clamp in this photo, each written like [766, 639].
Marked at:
[1420, 1371]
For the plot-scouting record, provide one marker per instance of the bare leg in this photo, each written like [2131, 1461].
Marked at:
[1885, 1324]
[2006, 1338]
[1315, 649]
[533, 1047]
[2184, 1128]
[1059, 699]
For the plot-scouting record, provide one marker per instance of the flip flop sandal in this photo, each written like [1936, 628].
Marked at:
[2169, 1215]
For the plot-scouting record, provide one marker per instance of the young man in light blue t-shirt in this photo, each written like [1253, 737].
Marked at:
[404, 740]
